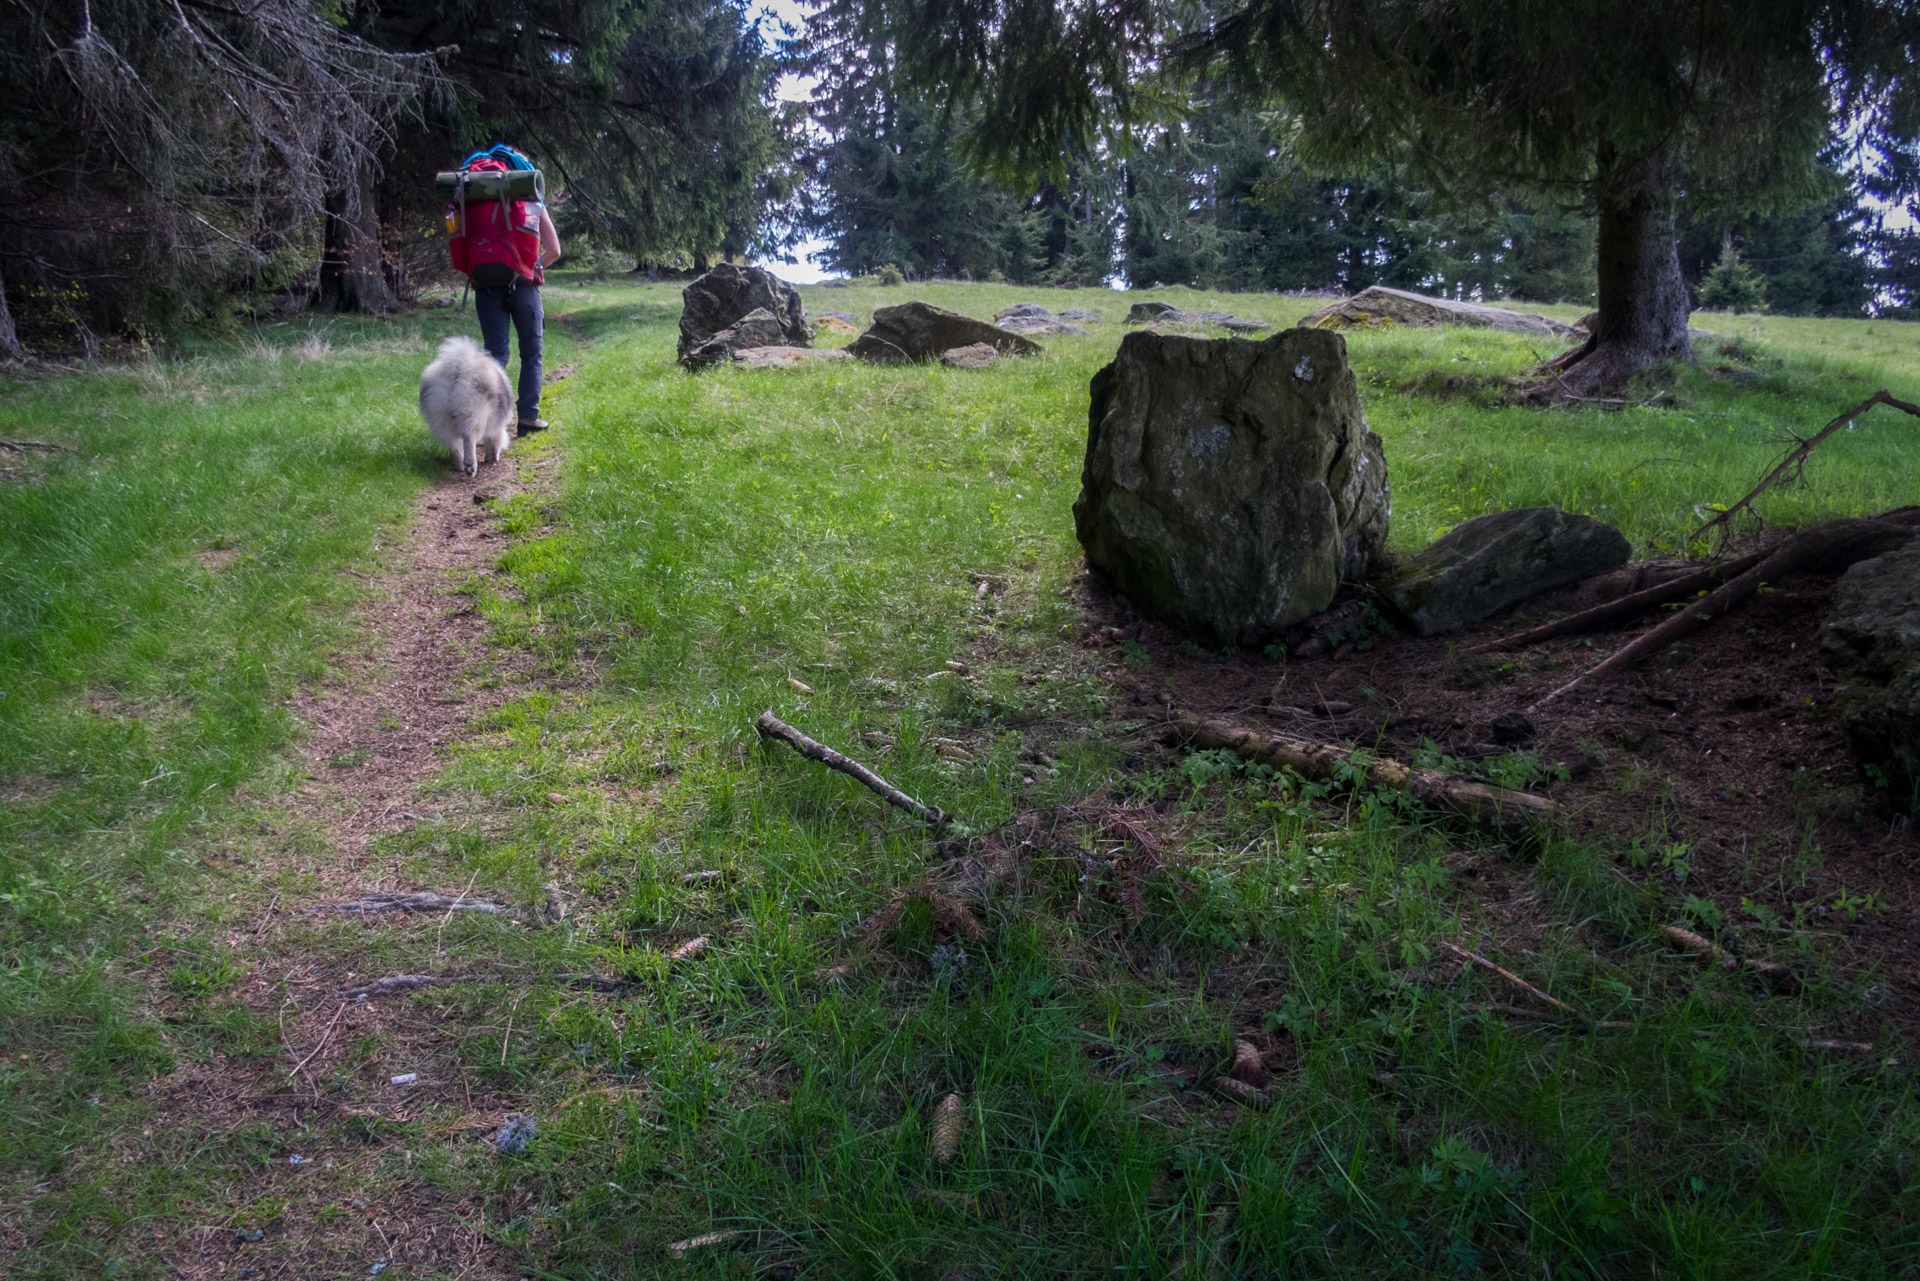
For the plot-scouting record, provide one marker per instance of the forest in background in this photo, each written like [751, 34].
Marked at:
[191, 163]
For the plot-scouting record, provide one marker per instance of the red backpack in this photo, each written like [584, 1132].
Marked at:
[495, 242]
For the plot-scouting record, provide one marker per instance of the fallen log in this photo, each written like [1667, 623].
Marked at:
[398, 983]
[772, 726]
[1479, 803]
[1836, 544]
[1626, 608]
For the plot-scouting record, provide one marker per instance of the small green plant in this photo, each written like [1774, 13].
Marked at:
[890, 275]
[1135, 655]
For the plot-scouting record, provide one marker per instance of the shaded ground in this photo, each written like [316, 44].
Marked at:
[1718, 764]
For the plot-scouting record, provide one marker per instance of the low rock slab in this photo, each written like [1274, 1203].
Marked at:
[978, 355]
[1038, 325]
[758, 328]
[1166, 315]
[785, 357]
[725, 296]
[835, 325]
[1485, 564]
[1871, 639]
[1384, 308]
[1230, 487]
[918, 331]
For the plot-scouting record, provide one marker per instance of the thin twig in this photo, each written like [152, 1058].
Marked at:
[324, 1038]
[1798, 454]
[1516, 980]
[442, 931]
[269, 916]
[508, 1038]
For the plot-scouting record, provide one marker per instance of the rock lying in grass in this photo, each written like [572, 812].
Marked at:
[1166, 315]
[758, 328]
[974, 356]
[1032, 318]
[1485, 564]
[1871, 639]
[835, 325]
[917, 331]
[1077, 314]
[1230, 487]
[725, 296]
[784, 357]
[1384, 308]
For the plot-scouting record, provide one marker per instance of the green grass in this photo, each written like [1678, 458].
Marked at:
[715, 540]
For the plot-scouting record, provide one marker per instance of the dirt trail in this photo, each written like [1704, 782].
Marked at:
[377, 727]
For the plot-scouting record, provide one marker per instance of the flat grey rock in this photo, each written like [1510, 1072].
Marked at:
[978, 355]
[1382, 308]
[1230, 487]
[785, 357]
[1038, 325]
[919, 331]
[1481, 566]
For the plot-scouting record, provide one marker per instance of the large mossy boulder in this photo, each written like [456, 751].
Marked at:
[1871, 639]
[1481, 566]
[917, 331]
[725, 296]
[1382, 308]
[1231, 486]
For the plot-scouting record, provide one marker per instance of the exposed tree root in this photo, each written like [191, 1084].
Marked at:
[1835, 544]
[1626, 608]
[1479, 803]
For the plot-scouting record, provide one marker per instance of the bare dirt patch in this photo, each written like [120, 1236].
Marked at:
[1723, 745]
[377, 728]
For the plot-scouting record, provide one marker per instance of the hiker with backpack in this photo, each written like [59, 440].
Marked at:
[504, 243]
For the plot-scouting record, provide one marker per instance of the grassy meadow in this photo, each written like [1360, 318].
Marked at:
[882, 556]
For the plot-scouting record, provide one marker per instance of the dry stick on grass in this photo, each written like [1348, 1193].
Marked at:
[1517, 981]
[1772, 973]
[1797, 456]
[772, 726]
[1480, 803]
[441, 933]
[415, 901]
[324, 1038]
[1844, 540]
[1626, 608]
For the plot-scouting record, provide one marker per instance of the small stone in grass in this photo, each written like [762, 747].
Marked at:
[513, 1137]
[689, 949]
[555, 798]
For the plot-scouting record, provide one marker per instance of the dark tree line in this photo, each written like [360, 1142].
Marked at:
[188, 159]
[1642, 114]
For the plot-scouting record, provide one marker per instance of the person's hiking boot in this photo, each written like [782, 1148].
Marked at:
[531, 425]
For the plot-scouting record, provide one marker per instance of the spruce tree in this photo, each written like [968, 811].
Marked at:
[1732, 285]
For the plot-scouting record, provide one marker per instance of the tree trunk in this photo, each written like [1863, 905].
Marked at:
[1642, 319]
[351, 276]
[10, 347]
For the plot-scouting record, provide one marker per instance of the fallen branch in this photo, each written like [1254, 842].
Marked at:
[1836, 542]
[1797, 456]
[769, 724]
[1772, 973]
[22, 446]
[1624, 609]
[1516, 980]
[421, 901]
[397, 983]
[1477, 802]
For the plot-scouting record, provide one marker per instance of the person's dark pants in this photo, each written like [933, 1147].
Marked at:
[518, 305]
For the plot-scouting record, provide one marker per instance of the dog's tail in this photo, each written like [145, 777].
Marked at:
[460, 350]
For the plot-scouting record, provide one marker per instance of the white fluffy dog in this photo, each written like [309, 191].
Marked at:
[468, 404]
